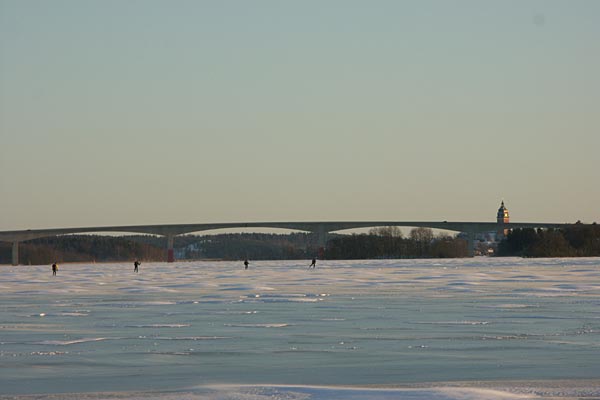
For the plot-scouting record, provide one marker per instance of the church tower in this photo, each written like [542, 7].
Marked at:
[502, 217]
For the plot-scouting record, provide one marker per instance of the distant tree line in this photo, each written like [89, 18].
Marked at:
[80, 248]
[238, 246]
[388, 242]
[384, 242]
[577, 240]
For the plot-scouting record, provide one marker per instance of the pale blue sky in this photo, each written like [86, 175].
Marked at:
[143, 112]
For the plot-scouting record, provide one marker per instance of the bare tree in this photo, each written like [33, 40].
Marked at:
[388, 231]
[422, 235]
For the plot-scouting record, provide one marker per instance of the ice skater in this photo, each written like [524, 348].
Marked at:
[136, 264]
[54, 269]
[313, 263]
[246, 263]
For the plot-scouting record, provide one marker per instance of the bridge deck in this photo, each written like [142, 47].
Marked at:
[326, 226]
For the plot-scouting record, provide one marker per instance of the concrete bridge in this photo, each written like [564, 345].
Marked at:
[320, 229]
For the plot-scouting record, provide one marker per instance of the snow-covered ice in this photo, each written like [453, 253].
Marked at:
[482, 328]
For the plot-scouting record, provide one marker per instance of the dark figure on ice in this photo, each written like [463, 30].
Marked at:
[313, 263]
[246, 263]
[136, 264]
[54, 269]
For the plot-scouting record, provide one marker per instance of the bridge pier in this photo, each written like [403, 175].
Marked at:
[471, 244]
[15, 253]
[170, 251]
[322, 237]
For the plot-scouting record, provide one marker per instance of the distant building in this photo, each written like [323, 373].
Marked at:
[502, 218]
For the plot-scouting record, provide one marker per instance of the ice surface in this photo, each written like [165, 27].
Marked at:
[212, 330]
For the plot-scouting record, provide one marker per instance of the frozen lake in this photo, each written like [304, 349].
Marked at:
[482, 328]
